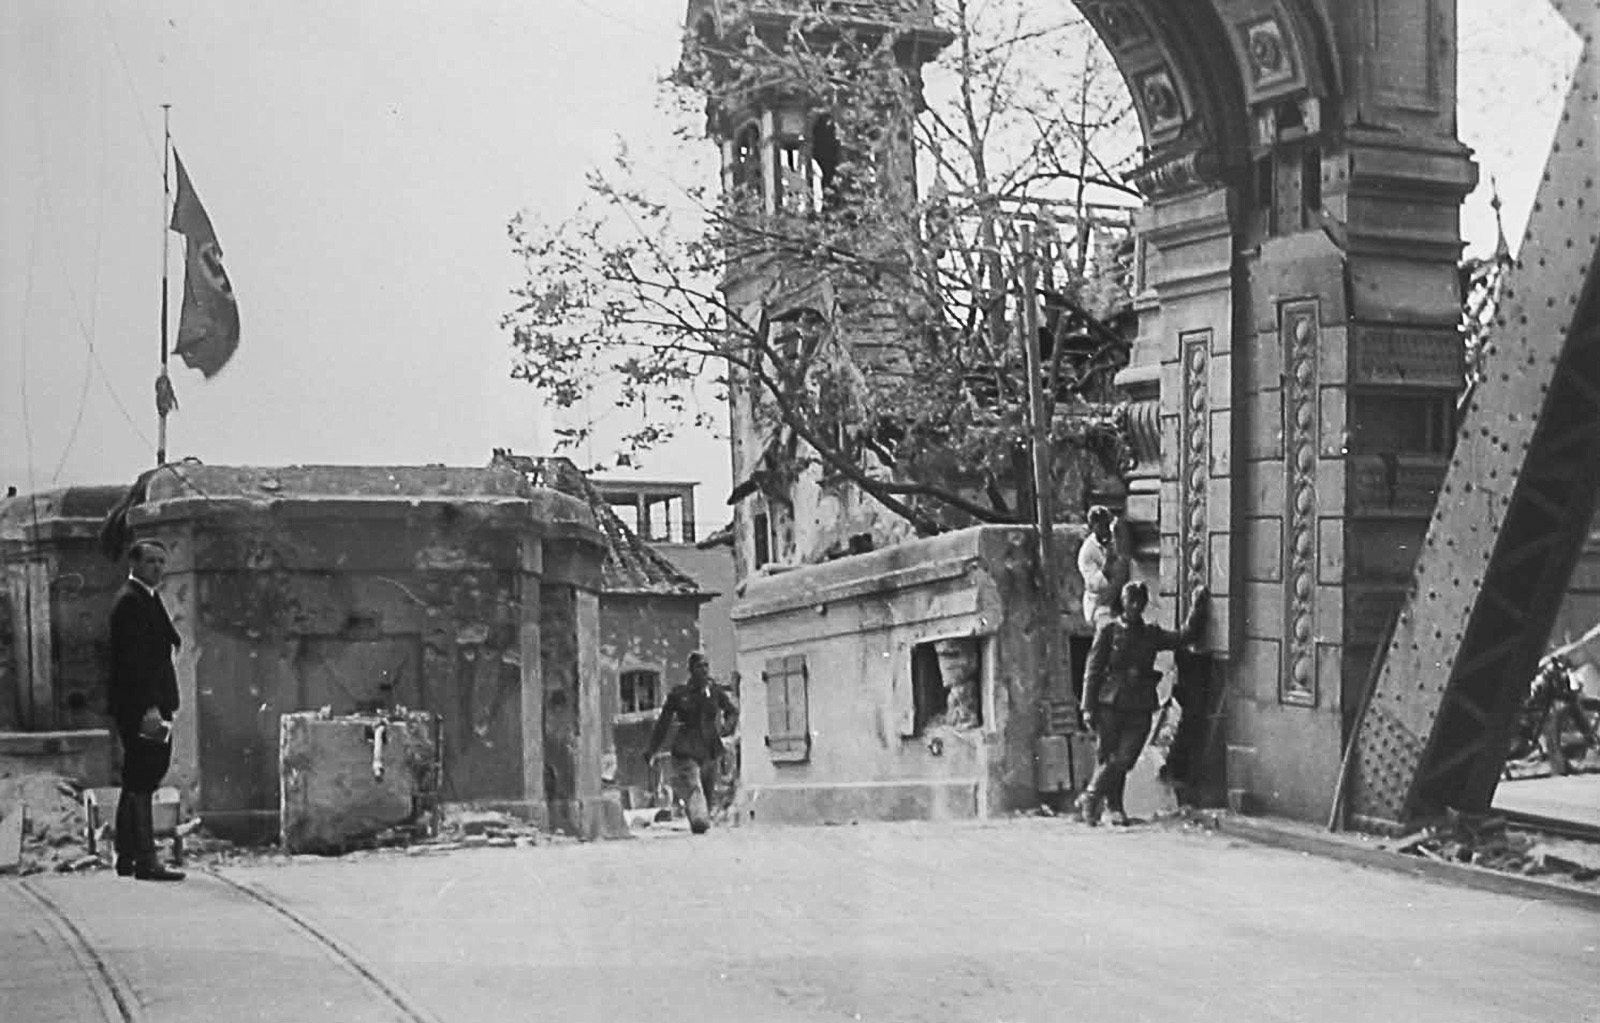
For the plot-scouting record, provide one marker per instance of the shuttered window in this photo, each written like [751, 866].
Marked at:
[788, 711]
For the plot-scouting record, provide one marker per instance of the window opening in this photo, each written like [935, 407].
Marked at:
[760, 526]
[824, 163]
[946, 684]
[1310, 185]
[747, 160]
[640, 691]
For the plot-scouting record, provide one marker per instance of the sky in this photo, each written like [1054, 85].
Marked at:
[360, 161]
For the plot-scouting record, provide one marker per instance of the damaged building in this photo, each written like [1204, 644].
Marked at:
[464, 592]
[649, 620]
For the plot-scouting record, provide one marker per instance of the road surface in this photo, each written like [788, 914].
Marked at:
[1024, 920]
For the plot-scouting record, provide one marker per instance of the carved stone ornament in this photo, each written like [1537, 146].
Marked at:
[1268, 51]
[1141, 425]
[1163, 107]
[1298, 683]
[1163, 177]
[1194, 463]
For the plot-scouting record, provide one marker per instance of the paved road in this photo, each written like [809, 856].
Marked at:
[1030, 920]
[1575, 797]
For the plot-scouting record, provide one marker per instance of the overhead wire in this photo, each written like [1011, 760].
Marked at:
[22, 376]
[619, 19]
[133, 89]
[94, 280]
[86, 334]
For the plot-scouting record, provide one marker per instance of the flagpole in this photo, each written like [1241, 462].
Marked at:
[163, 383]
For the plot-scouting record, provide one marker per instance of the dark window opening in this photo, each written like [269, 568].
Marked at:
[761, 527]
[640, 691]
[1289, 116]
[1266, 195]
[1310, 185]
[927, 688]
[824, 163]
[747, 161]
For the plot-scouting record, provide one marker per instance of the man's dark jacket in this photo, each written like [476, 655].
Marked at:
[1121, 670]
[697, 711]
[142, 642]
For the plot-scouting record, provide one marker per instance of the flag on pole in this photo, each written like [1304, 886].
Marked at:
[208, 326]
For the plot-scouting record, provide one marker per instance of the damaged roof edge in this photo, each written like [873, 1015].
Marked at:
[631, 564]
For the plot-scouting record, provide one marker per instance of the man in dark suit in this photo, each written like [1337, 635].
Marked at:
[143, 699]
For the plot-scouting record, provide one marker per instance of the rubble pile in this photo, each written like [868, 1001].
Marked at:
[1486, 841]
[463, 827]
[53, 834]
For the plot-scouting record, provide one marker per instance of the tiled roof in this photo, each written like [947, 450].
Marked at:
[631, 565]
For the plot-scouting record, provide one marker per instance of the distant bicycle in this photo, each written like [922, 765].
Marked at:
[1559, 722]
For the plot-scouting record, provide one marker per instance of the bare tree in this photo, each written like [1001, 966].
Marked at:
[863, 321]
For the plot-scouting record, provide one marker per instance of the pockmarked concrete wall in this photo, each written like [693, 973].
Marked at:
[359, 587]
[855, 622]
[56, 591]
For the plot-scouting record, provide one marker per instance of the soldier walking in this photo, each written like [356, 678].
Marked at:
[699, 707]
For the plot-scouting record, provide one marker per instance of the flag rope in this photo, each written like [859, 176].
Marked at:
[166, 400]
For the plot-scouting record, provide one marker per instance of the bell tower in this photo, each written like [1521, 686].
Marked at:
[789, 152]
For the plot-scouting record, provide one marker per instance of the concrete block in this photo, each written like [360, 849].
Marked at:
[601, 818]
[343, 780]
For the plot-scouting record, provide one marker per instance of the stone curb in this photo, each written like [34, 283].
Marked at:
[1347, 849]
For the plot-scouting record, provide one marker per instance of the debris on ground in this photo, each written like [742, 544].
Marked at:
[1485, 840]
[647, 815]
[50, 809]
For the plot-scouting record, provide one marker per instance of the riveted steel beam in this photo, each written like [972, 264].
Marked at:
[1516, 504]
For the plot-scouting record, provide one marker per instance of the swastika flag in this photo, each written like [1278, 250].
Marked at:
[208, 326]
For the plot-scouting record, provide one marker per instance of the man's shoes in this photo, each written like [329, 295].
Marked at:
[157, 872]
[1088, 806]
[124, 866]
[1119, 818]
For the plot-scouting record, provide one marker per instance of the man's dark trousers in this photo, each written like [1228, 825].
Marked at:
[144, 764]
[695, 783]
[1119, 739]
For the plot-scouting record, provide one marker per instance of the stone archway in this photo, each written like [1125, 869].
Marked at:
[1297, 366]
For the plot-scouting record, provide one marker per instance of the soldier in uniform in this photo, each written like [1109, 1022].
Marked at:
[701, 709]
[1119, 693]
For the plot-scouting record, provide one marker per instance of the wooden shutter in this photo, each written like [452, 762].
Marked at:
[788, 709]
